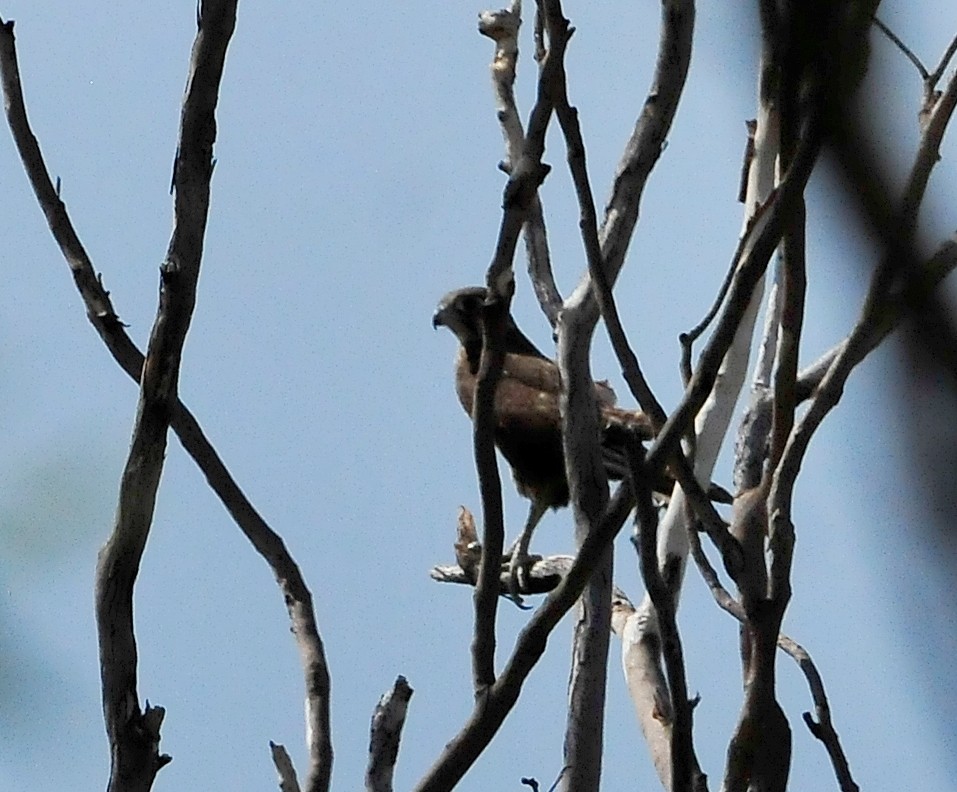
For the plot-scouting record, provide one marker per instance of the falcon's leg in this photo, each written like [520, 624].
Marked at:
[519, 552]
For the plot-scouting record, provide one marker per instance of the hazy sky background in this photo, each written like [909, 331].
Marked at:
[355, 183]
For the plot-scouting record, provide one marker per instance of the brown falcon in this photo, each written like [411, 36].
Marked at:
[527, 417]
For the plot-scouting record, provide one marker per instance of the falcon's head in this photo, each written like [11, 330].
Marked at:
[461, 312]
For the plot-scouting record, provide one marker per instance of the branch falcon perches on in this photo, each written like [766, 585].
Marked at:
[527, 417]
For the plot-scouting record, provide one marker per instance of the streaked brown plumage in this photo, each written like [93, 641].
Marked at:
[527, 416]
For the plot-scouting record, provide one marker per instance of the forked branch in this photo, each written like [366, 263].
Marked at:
[502, 27]
[134, 750]
[105, 321]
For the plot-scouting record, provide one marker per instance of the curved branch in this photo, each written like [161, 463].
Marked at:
[135, 758]
[647, 141]
[588, 224]
[494, 317]
[105, 321]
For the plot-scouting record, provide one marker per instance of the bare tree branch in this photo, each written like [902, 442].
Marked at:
[494, 316]
[502, 26]
[135, 758]
[647, 141]
[288, 782]
[526, 172]
[543, 575]
[898, 267]
[934, 77]
[587, 481]
[895, 40]
[663, 595]
[647, 686]
[823, 728]
[497, 701]
[801, 84]
[386, 732]
[521, 188]
[526, 176]
[105, 321]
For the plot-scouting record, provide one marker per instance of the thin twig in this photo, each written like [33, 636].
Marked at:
[934, 77]
[793, 280]
[895, 40]
[687, 339]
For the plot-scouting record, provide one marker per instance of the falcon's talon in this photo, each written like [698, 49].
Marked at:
[517, 601]
[517, 575]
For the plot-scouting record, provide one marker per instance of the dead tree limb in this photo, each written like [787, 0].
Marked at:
[134, 736]
[502, 27]
[526, 176]
[823, 727]
[385, 734]
[106, 322]
[491, 708]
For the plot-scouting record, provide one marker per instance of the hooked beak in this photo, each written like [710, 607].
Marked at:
[440, 317]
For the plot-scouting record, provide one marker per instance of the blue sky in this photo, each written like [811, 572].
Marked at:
[356, 183]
